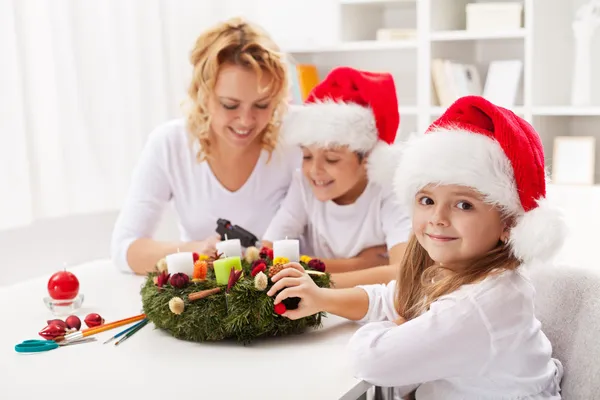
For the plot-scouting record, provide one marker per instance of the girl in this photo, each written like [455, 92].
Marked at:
[222, 160]
[459, 321]
[332, 206]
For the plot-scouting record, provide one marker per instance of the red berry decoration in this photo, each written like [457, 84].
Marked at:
[92, 320]
[179, 280]
[196, 256]
[279, 308]
[73, 322]
[266, 253]
[63, 285]
[52, 331]
[316, 264]
[258, 266]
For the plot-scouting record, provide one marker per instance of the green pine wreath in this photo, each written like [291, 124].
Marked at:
[243, 313]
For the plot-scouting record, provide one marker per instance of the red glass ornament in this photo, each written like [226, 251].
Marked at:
[58, 322]
[73, 322]
[92, 320]
[52, 331]
[63, 285]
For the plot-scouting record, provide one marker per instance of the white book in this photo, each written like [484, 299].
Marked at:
[502, 83]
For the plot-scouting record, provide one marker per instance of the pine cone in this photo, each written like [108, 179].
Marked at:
[273, 270]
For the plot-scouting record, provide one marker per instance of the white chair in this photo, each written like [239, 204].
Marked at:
[568, 306]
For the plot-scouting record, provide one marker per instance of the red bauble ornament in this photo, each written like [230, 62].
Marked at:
[52, 331]
[58, 322]
[279, 308]
[92, 320]
[63, 285]
[73, 322]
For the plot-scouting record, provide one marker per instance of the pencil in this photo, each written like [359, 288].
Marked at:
[132, 332]
[124, 332]
[98, 329]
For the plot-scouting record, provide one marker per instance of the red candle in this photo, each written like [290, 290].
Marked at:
[63, 285]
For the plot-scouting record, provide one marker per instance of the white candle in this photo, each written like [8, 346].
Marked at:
[289, 248]
[230, 248]
[180, 262]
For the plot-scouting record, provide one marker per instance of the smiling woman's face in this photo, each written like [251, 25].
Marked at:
[239, 110]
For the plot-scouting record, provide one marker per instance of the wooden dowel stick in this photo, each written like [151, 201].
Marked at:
[203, 293]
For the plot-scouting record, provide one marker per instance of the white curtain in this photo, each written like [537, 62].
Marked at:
[82, 83]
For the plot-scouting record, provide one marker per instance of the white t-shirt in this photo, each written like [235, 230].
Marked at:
[481, 342]
[329, 230]
[169, 172]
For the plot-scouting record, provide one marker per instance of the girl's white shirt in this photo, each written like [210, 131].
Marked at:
[481, 342]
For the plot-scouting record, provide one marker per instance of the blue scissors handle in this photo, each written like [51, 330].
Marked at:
[35, 346]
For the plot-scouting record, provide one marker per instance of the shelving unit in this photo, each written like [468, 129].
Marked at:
[345, 33]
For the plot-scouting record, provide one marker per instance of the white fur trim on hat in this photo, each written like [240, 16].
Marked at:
[330, 123]
[459, 157]
[539, 233]
[382, 163]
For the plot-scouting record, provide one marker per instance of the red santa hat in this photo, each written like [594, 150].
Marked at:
[353, 108]
[492, 150]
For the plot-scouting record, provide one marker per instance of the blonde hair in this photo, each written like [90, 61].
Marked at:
[240, 43]
[417, 286]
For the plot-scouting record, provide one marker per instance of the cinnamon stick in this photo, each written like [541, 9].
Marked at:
[203, 293]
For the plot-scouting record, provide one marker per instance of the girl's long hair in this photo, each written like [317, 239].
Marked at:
[241, 43]
[418, 284]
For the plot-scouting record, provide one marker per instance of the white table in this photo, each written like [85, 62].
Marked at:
[154, 365]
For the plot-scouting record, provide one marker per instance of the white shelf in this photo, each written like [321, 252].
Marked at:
[364, 45]
[568, 111]
[436, 111]
[344, 32]
[408, 110]
[444, 36]
[368, 2]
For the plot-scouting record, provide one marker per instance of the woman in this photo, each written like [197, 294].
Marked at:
[222, 161]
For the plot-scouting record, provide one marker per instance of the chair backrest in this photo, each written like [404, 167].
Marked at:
[568, 306]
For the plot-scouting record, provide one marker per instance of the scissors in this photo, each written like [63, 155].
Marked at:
[37, 346]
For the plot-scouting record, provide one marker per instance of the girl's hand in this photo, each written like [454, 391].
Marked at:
[295, 282]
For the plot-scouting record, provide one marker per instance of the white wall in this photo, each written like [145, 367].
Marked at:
[43, 248]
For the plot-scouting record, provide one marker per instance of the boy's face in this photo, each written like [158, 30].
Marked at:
[454, 225]
[336, 174]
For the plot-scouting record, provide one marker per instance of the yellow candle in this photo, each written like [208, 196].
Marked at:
[223, 268]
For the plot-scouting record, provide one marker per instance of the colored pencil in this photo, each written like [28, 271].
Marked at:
[118, 335]
[132, 332]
